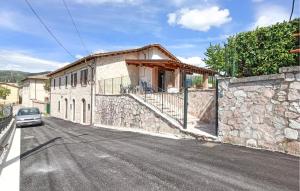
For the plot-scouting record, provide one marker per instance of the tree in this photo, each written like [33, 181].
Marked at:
[4, 92]
[258, 52]
[47, 85]
[215, 58]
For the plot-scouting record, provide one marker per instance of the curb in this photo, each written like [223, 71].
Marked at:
[5, 141]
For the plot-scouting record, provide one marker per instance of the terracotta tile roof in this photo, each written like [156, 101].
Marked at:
[10, 84]
[37, 77]
[92, 56]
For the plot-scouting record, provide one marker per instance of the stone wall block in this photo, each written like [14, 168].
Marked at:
[291, 115]
[293, 147]
[297, 76]
[251, 143]
[291, 133]
[279, 122]
[239, 94]
[268, 93]
[295, 85]
[294, 124]
[293, 95]
[289, 77]
[246, 133]
[295, 107]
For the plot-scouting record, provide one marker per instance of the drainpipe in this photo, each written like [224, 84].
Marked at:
[185, 101]
[93, 73]
[217, 106]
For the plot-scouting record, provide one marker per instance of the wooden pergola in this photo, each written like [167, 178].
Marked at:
[175, 66]
[170, 65]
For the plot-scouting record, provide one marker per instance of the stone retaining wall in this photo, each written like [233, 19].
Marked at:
[262, 112]
[202, 105]
[125, 111]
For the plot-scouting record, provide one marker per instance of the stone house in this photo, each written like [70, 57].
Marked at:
[34, 93]
[13, 97]
[74, 86]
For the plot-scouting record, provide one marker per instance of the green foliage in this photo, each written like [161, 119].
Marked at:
[197, 80]
[47, 85]
[4, 92]
[215, 57]
[258, 52]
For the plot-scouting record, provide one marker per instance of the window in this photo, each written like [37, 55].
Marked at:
[74, 79]
[29, 111]
[54, 83]
[59, 82]
[66, 81]
[58, 107]
[83, 76]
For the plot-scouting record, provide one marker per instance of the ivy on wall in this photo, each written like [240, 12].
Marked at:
[258, 52]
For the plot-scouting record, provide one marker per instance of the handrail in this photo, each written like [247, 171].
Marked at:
[168, 103]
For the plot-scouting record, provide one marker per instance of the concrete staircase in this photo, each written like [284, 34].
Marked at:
[172, 109]
[163, 102]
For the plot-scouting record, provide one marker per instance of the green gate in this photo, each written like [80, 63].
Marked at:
[48, 108]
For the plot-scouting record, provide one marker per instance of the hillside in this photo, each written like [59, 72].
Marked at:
[15, 76]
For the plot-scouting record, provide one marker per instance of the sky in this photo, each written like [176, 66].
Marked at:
[184, 27]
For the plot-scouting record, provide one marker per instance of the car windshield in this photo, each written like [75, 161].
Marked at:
[29, 111]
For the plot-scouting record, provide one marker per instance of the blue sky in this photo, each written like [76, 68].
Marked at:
[185, 27]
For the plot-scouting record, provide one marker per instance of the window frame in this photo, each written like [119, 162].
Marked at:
[66, 81]
[59, 82]
[74, 79]
[84, 77]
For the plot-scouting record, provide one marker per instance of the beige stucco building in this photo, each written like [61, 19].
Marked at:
[73, 87]
[13, 97]
[34, 93]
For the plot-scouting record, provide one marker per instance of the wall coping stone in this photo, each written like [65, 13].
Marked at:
[257, 78]
[289, 69]
[279, 76]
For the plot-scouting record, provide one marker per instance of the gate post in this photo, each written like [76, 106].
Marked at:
[185, 102]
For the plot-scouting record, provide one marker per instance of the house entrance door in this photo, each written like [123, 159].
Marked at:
[83, 111]
[66, 111]
[161, 80]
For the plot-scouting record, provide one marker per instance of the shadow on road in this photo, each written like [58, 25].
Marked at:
[23, 155]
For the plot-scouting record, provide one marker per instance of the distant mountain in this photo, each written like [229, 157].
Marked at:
[13, 76]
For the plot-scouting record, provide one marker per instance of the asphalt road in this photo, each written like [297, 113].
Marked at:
[64, 156]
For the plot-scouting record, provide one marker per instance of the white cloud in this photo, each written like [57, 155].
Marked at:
[200, 19]
[78, 56]
[268, 15]
[95, 2]
[7, 20]
[10, 59]
[99, 51]
[195, 60]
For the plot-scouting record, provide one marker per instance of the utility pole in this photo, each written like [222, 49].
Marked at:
[185, 101]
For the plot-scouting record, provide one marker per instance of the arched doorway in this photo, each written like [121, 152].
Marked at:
[83, 111]
[73, 109]
[66, 110]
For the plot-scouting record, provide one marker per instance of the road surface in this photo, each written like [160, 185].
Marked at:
[65, 156]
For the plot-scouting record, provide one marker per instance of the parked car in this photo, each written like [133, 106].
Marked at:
[28, 116]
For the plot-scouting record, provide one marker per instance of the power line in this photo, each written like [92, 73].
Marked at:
[75, 26]
[48, 29]
[293, 7]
